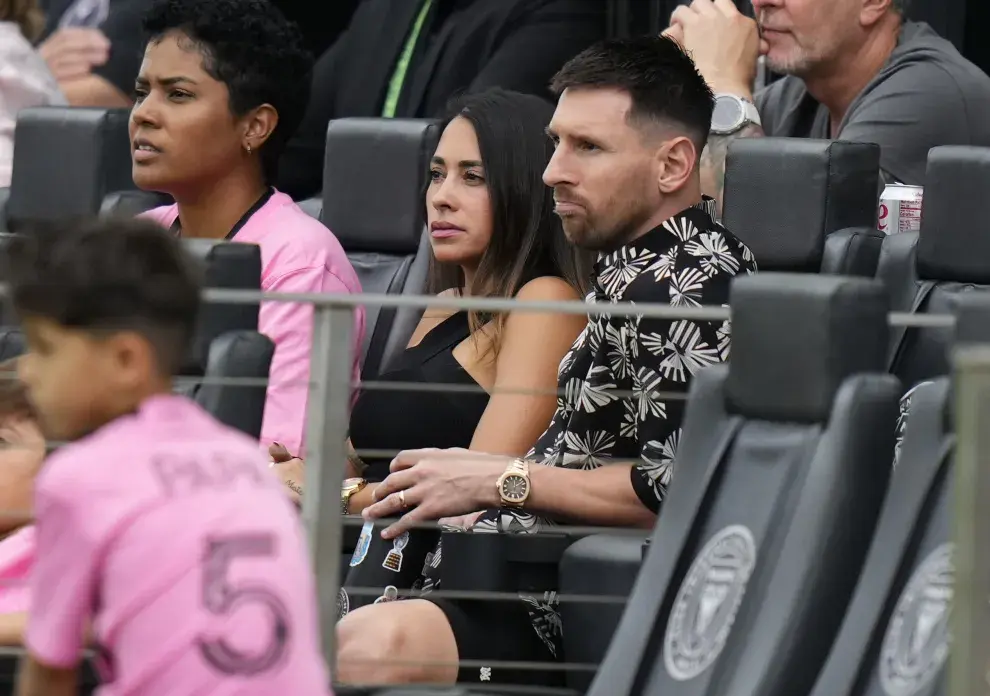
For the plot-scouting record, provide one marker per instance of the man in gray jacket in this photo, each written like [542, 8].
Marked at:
[855, 70]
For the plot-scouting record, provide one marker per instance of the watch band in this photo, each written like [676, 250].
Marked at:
[347, 491]
[749, 114]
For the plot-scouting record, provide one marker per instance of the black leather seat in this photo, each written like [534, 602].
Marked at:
[230, 266]
[895, 637]
[4, 200]
[237, 355]
[374, 182]
[926, 272]
[66, 160]
[805, 206]
[406, 319]
[781, 468]
[12, 342]
[312, 207]
[132, 203]
[604, 566]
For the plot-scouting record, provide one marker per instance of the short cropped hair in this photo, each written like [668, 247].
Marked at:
[662, 80]
[901, 6]
[254, 50]
[106, 276]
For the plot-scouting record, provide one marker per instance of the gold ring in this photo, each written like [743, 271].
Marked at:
[402, 499]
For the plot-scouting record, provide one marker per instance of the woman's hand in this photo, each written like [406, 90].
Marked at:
[290, 470]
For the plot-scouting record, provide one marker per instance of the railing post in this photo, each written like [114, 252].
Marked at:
[328, 414]
[970, 660]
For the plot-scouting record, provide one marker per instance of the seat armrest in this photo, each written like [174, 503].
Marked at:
[603, 566]
[503, 562]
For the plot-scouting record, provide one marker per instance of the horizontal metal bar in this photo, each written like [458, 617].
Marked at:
[487, 596]
[493, 305]
[479, 664]
[568, 530]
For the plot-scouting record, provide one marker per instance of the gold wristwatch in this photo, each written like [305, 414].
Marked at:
[349, 488]
[513, 486]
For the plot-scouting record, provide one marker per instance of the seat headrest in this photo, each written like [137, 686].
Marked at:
[972, 312]
[374, 182]
[795, 340]
[783, 196]
[227, 265]
[953, 246]
[66, 160]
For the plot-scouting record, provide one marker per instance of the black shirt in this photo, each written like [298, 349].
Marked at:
[463, 46]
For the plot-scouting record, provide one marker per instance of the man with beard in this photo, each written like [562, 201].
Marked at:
[631, 122]
[855, 70]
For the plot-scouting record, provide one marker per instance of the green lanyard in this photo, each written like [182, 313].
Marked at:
[402, 67]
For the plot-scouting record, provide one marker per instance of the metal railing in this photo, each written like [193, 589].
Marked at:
[331, 388]
[970, 661]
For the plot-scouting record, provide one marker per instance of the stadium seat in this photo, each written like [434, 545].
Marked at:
[4, 199]
[895, 637]
[312, 207]
[231, 266]
[782, 467]
[805, 206]
[405, 319]
[926, 272]
[373, 186]
[237, 355]
[12, 342]
[132, 203]
[66, 160]
[605, 566]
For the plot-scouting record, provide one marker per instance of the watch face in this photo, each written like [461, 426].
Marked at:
[728, 114]
[514, 488]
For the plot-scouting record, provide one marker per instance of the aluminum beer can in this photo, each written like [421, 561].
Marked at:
[900, 209]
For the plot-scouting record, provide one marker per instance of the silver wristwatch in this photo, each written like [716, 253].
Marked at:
[732, 114]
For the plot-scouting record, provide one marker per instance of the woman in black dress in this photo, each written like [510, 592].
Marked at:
[493, 234]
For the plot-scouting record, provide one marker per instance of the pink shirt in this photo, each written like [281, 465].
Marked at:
[298, 255]
[16, 557]
[170, 534]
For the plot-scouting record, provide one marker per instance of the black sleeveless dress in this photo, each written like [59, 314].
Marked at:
[409, 419]
[384, 419]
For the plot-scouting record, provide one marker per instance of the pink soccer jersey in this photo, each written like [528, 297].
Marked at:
[298, 255]
[169, 535]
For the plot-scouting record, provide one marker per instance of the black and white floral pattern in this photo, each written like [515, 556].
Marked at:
[689, 261]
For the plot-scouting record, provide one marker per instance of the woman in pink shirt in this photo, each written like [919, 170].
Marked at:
[222, 87]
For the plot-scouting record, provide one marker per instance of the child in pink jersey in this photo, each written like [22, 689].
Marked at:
[221, 89]
[161, 531]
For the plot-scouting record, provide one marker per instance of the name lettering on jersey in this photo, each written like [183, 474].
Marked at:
[211, 471]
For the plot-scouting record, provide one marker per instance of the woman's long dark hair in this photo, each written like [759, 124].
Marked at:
[527, 238]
